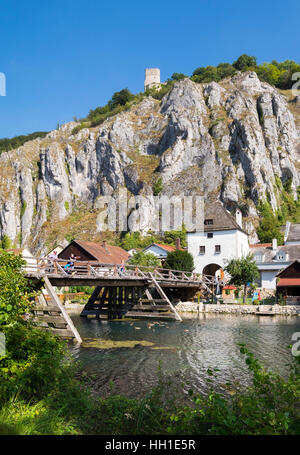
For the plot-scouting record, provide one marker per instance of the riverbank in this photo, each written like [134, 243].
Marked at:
[194, 307]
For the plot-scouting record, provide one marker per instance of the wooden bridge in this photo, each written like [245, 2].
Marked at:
[134, 291]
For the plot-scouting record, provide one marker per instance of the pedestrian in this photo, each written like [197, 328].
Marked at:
[122, 268]
[71, 263]
[52, 258]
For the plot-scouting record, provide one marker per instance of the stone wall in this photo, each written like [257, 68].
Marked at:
[194, 307]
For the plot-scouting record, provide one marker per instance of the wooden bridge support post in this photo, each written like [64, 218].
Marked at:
[57, 302]
[164, 296]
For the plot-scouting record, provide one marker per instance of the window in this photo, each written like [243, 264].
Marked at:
[202, 249]
[210, 235]
[206, 222]
[217, 248]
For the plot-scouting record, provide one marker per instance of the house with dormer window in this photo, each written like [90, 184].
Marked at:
[222, 238]
[271, 258]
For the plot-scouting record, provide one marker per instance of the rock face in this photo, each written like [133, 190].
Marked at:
[229, 141]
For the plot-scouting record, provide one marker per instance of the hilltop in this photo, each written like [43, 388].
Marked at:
[236, 140]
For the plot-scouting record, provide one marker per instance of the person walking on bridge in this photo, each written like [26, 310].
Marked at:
[52, 258]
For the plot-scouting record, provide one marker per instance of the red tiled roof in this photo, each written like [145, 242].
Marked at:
[229, 287]
[257, 245]
[169, 248]
[283, 282]
[107, 254]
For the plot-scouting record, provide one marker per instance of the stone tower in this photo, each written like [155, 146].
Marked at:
[152, 78]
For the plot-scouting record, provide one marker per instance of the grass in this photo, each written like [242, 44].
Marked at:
[21, 418]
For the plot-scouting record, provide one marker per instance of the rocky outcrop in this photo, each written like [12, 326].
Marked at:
[229, 141]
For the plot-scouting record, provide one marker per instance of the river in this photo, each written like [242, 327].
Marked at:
[124, 356]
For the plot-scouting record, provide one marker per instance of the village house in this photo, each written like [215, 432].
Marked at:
[288, 283]
[161, 250]
[222, 239]
[271, 258]
[91, 251]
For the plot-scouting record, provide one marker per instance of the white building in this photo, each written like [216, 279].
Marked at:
[271, 258]
[222, 239]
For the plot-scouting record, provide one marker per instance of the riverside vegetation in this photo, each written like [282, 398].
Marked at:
[43, 391]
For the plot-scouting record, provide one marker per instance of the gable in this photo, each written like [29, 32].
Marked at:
[78, 251]
[217, 218]
[292, 271]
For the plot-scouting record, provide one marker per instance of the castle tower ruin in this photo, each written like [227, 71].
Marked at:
[152, 78]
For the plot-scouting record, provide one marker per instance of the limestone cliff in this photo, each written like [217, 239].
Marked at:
[227, 141]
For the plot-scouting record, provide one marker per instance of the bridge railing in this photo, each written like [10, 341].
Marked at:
[93, 269]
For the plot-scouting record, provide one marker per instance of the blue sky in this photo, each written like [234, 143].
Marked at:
[64, 57]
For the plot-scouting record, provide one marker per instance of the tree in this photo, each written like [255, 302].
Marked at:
[135, 240]
[208, 74]
[269, 229]
[179, 260]
[171, 236]
[245, 62]
[145, 259]
[268, 73]
[5, 244]
[269, 226]
[120, 98]
[242, 271]
[225, 70]
[15, 290]
[178, 76]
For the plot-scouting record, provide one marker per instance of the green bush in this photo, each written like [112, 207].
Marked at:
[277, 74]
[16, 293]
[5, 243]
[119, 102]
[145, 259]
[170, 237]
[33, 363]
[157, 186]
[269, 226]
[136, 240]
[179, 260]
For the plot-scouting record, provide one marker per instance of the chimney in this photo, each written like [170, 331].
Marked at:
[238, 218]
[274, 244]
[177, 244]
[104, 244]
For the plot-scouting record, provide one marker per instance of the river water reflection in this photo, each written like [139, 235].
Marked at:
[128, 353]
